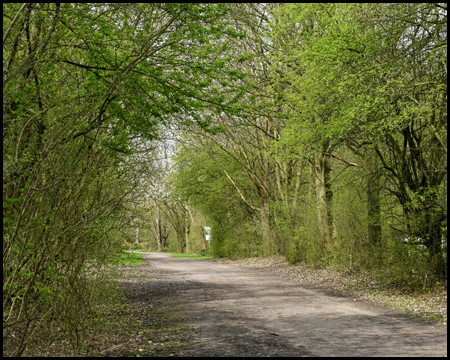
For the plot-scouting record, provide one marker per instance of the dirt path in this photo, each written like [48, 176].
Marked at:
[238, 311]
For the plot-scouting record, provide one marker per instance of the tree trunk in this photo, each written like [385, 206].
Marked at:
[427, 223]
[164, 236]
[311, 178]
[265, 225]
[321, 171]
[265, 195]
[329, 198]
[373, 202]
[203, 235]
[158, 227]
[298, 181]
[181, 241]
[187, 229]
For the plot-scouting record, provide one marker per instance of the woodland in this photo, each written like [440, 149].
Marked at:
[316, 132]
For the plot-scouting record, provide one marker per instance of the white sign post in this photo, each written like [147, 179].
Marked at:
[208, 235]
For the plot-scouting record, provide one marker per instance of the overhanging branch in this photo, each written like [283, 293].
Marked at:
[345, 161]
[242, 196]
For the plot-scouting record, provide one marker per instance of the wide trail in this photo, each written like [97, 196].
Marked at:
[239, 311]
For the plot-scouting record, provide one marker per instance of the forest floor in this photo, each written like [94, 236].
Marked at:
[262, 307]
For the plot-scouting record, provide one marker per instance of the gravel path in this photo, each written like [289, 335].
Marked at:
[237, 311]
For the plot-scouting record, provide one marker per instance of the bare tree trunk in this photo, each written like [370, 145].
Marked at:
[321, 171]
[373, 196]
[187, 228]
[158, 227]
[203, 235]
[298, 180]
[311, 179]
[329, 197]
[265, 196]
[265, 225]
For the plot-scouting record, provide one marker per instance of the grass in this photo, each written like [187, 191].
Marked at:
[129, 258]
[191, 256]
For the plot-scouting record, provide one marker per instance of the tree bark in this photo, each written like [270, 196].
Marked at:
[158, 227]
[323, 195]
[373, 200]
[298, 181]
[186, 229]
[265, 196]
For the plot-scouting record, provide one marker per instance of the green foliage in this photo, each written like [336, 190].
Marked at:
[86, 89]
[314, 131]
[407, 266]
[297, 232]
[367, 76]
[200, 180]
[348, 87]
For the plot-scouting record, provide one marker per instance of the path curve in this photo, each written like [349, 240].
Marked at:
[238, 311]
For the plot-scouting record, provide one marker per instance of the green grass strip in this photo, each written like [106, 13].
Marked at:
[191, 256]
[129, 258]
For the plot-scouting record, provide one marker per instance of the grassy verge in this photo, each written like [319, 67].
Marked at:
[152, 327]
[132, 315]
[129, 258]
[190, 256]
[137, 249]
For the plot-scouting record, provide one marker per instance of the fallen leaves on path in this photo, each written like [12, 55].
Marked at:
[358, 285]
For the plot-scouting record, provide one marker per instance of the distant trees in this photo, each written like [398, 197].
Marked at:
[217, 188]
[343, 121]
[314, 131]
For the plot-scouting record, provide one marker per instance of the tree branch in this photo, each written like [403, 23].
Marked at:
[5, 37]
[242, 196]
[88, 67]
[345, 161]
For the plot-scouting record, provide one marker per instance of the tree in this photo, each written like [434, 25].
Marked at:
[375, 76]
[206, 180]
[84, 85]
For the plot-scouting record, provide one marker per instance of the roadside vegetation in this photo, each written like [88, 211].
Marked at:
[339, 162]
[312, 132]
[128, 258]
[127, 318]
[191, 256]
